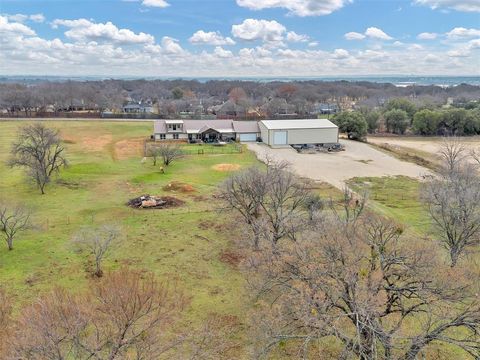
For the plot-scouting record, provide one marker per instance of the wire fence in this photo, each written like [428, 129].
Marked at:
[208, 150]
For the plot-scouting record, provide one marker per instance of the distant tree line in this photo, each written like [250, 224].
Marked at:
[401, 115]
[173, 97]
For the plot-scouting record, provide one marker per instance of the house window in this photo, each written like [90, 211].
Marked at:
[174, 127]
[162, 136]
[175, 136]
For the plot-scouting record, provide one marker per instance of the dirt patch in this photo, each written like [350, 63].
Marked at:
[154, 202]
[231, 258]
[68, 184]
[209, 224]
[176, 186]
[125, 149]
[96, 143]
[226, 167]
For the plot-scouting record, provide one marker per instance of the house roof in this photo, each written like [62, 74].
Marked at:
[196, 126]
[246, 127]
[298, 124]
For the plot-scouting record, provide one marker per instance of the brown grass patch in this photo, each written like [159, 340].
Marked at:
[209, 224]
[96, 143]
[176, 186]
[231, 258]
[226, 167]
[125, 149]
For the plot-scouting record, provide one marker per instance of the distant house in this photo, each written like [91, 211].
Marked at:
[206, 130]
[138, 108]
[229, 110]
[324, 108]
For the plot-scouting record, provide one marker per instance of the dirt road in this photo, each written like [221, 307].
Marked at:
[358, 160]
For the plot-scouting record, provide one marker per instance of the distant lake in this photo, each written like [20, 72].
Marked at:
[400, 80]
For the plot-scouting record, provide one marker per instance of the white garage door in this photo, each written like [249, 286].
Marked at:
[248, 137]
[280, 138]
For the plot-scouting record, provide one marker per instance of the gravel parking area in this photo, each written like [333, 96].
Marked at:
[358, 160]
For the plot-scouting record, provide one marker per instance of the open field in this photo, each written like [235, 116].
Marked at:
[358, 160]
[423, 147]
[190, 244]
[187, 243]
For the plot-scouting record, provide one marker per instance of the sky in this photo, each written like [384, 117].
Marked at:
[239, 38]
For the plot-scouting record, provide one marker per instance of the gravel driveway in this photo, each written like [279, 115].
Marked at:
[358, 160]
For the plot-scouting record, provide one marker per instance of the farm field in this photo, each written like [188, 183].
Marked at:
[191, 244]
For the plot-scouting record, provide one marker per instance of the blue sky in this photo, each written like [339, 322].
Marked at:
[240, 37]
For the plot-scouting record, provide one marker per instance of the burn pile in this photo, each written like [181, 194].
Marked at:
[154, 202]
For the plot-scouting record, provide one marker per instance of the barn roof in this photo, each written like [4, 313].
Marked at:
[298, 124]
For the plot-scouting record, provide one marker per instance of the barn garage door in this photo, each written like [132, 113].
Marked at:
[280, 138]
[248, 137]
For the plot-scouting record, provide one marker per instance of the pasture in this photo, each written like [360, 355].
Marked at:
[188, 244]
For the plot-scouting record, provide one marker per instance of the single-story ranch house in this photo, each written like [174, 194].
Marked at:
[275, 133]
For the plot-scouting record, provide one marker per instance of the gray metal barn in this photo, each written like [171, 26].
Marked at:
[278, 133]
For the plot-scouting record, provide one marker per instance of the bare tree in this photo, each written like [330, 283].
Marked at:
[269, 201]
[475, 154]
[314, 204]
[154, 153]
[283, 202]
[5, 321]
[244, 192]
[13, 219]
[128, 314]
[453, 202]
[98, 242]
[360, 288]
[39, 150]
[452, 153]
[169, 152]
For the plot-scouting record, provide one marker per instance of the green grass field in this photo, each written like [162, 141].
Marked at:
[396, 197]
[184, 243]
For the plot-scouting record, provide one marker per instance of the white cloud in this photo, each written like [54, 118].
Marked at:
[155, 3]
[474, 44]
[459, 5]
[376, 33]
[459, 53]
[171, 46]
[210, 38]
[85, 30]
[313, 44]
[38, 18]
[354, 36]
[297, 7]
[371, 32]
[222, 53]
[427, 36]
[462, 33]
[23, 52]
[341, 54]
[415, 47]
[14, 27]
[252, 29]
[294, 37]
[430, 58]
